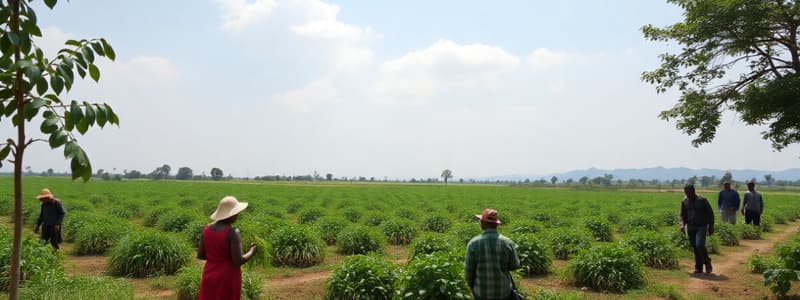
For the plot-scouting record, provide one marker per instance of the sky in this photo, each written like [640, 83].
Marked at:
[394, 89]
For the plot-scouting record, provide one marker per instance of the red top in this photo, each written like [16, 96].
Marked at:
[221, 279]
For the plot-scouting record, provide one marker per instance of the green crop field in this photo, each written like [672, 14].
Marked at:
[310, 235]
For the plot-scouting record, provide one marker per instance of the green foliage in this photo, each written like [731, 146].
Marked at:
[293, 207]
[151, 219]
[436, 223]
[176, 221]
[766, 224]
[360, 240]
[148, 253]
[97, 238]
[430, 243]
[296, 246]
[749, 232]
[600, 229]
[464, 232]
[760, 263]
[534, 254]
[399, 231]
[188, 283]
[638, 221]
[75, 222]
[780, 280]
[435, 276]
[523, 227]
[713, 244]
[362, 277]
[83, 287]
[789, 254]
[678, 240]
[405, 213]
[778, 218]
[194, 232]
[38, 259]
[653, 250]
[669, 218]
[310, 215]
[727, 234]
[352, 214]
[607, 268]
[375, 219]
[329, 228]
[568, 242]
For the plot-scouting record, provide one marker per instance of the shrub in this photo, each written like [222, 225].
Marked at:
[293, 207]
[760, 263]
[435, 276]
[406, 213]
[148, 253]
[296, 246]
[568, 242]
[526, 227]
[360, 240]
[600, 229]
[727, 234]
[749, 232]
[428, 244]
[464, 232]
[120, 212]
[97, 238]
[151, 219]
[534, 254]
[175, 222]
[194, 231]
[375, 219]
[253, 234]
[310, 215]
[352, 214]
[607, 268]
[778, 218]
[637, 221]
[713, 244]
[362, 277]
[329, 227]
[654, 250]
[74, 222]
[766, 224]
[436, 223]
[789, 254]
[38, 259]
[669, 218]
[399, 232]
[188, 283]
[780, 280]
[678, 240]
[83, 287]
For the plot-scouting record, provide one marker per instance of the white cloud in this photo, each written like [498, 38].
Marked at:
[52, 40]
[418, 76]
[238, 14]
[142, 69]
[557, 88]
[545, 58]
[309, 97]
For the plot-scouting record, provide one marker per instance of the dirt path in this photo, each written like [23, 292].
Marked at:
[731, 277]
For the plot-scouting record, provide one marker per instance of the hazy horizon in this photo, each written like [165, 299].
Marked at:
[354, 88]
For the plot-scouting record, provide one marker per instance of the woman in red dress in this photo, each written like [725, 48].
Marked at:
[221, 248]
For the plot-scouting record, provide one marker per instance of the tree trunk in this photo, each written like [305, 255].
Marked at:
[16, 252]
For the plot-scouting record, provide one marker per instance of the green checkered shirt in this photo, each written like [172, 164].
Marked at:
[490, 257]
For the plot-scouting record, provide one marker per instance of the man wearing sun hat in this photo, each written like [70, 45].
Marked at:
[51, 215]
[490, 259]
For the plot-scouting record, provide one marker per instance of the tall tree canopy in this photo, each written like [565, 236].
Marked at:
[739, 55]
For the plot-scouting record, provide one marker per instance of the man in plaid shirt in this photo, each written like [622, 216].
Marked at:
[490, 258]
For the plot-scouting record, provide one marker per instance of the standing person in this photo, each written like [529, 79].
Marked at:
[490, 259]
[221, 248]
[697, 218]
[728, 203]
[753, 205]
[51, 215]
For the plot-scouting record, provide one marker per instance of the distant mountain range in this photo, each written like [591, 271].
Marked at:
[659, 173]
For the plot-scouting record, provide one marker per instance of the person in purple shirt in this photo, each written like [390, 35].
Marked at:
[728, 203]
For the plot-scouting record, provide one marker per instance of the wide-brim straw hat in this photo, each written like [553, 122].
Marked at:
[489, 216]
[45, 193]
[228, 207]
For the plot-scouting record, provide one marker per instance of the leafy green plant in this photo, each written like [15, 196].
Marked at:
[405, 213]
[148, 253]
[38, 260]
[789, 254]
[176, 221]
[760, 263]
[523, 227]
[749, 232]
[151, 219]
[653, 250]
[766, 224]
[607, 268]
[83, 287]
[568, 242]
[435, 276]
[600, 229]
[430, 243]
[352, 214]
[362, 277]
[375, 219]
[293, 207]
[638, 221]
[399, 231]
[534, 254]
[464, 232]
[727, 234]
[97, 238]
[713, 244]
[669, 218]
[780, 280]
[436, 223]
[194, 231]
[188, 283]
[360, 240]
[778, 218]
[296, 246]
[75, 222]
[329, 228]
[310, 215]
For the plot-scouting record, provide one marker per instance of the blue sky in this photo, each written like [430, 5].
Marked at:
[384, 88]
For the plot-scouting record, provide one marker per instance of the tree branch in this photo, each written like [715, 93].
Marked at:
[771, 63]
[34, 140]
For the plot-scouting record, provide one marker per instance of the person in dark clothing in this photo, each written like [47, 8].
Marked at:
[50, 218]
[753, 205]
[697, 218]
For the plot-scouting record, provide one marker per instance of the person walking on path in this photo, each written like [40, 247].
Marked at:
[697, 218]
[51, 215]
[728, 203]
[753, 205]
[221, 248]
[490, 259]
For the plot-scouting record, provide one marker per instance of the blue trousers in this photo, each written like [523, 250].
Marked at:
[697, 238]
